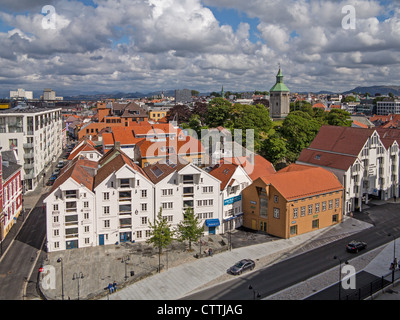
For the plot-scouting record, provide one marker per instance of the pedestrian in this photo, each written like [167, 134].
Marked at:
[115, 286]
[110, 287]
[210, 252]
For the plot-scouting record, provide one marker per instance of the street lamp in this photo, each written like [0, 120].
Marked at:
[340, 273]
[62, 276]
[256, 294]
[394, 255]
[77, 277]
[125, 260]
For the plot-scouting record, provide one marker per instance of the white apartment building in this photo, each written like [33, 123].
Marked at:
[365, 161]
[70, 208]
[36, 134]
[233, 180]
[184, 185]
[114, 200]
[21, 94]
[385, 108]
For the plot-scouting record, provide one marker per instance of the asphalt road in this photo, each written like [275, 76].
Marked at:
[282, 275]
[17, 264]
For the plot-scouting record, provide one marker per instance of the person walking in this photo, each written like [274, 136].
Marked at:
[115, 286]
[110, 287]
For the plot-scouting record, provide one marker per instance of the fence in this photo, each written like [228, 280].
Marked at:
[373, 287]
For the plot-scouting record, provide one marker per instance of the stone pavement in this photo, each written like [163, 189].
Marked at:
[178, 282]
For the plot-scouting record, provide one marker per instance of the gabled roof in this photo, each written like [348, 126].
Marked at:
[260, 167]
[85, 147]
[80, 169]
[224, 173]
[327, 159]
[156, 172]
[300, 181]
[344, 140]
[116, 160]
[123, 135]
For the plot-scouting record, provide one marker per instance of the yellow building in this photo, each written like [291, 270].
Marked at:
[293, 201]
[157, 115]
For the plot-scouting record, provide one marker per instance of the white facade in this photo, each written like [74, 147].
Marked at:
[124, 207]
[21, 94]
[190, 187]
[232, 199]
[70, 217]
[385, 108]
[36, 135]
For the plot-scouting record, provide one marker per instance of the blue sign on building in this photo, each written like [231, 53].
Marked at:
[232, 200]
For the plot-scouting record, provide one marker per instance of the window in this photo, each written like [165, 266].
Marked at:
[276, 213]
[167, 192]
[310, 209]
[315, 224]
[106, 196]
[71, 194]
[55, 207]
[125, 208]
[106, 210]
[295, 213]
[144, 193]
[138, 234]
[124, 196]
[70, 206]
[167, 205]
[330, 204]
[86, 229]
[293, 230]
[324, 206]
[303, 211]
[276, 199]
[335, 218]
[87, 240]
[56, 232]
[56, 219]
[208, 189]
[86, 215]
[316, 207]
[144, 220]
[337, 203]
[124, 183]
[56, 245]
[86, 204]
[144, 206]
[106, 223]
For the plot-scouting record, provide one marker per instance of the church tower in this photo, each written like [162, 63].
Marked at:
[279, 102]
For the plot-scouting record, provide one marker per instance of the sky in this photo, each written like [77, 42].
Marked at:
[105, 46]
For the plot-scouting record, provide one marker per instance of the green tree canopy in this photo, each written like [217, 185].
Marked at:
[161, 234]
[219, 112]
[189, 229]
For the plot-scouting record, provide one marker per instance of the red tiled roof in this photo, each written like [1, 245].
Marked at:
[224, 172]
[299, 181]
[261, 166]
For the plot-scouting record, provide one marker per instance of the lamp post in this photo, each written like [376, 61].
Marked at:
[60, 260]
[125, 260]
[394, 255]
[340, 273]
[77, 277]
[256, 294]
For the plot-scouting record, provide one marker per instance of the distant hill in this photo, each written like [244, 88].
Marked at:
[384, 90]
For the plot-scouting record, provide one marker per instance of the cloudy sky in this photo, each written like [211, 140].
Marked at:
[85, 46]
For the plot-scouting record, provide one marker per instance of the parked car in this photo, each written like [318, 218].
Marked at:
[355, 246]
[56, 172]
[60, 164]
[50, 182]
[242, 265]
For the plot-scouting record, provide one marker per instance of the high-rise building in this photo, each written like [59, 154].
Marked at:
[21, 94]
[49, 94]
[183, 96]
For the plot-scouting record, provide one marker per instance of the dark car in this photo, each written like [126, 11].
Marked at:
[355, 246]
[242, 265]
[50, 182]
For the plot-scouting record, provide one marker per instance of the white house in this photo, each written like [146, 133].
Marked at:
[233, 180]
[70, 208]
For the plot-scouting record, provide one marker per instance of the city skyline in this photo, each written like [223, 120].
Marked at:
[120, 46]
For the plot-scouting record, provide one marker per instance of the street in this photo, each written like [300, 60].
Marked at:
[302, 267]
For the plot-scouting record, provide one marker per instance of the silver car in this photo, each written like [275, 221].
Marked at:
[242, 265]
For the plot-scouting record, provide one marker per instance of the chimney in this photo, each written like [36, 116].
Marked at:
[117, 145]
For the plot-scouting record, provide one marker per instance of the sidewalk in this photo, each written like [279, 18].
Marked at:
[188, 278]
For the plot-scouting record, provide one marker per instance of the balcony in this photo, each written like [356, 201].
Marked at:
[28, 145]
[28, 166]
[29, 155]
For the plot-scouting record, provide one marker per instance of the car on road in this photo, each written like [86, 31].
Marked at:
[355, 246]
[50, 182]
[242, 265]
[56, 172]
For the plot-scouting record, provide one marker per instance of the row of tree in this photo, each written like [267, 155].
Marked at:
[277, 143]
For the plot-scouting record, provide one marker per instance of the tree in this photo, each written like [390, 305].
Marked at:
[182, 111]
[274, 148]
[189, 229]
[161, 234]
[338, 117]
[219, 112]
[200, 109]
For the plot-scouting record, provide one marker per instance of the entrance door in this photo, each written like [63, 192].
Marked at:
[101, 239]
[211, 230]
[125, 236]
